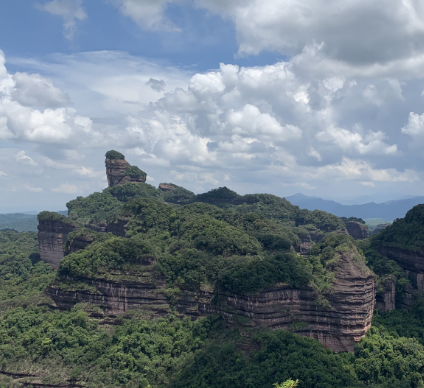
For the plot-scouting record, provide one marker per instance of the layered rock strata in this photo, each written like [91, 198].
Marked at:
[338, 321]
[357, 230]
[52, 235]
[116, 171]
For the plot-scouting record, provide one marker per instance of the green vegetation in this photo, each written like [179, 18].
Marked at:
[405, 233]
[221, 240]
[354, 219]
[178, 194]
[53, 216]
[200, 243]
[23, 277]
[135, 172]
[128, 191]
[112, 154]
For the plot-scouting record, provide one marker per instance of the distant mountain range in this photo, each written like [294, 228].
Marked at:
[388, 211]
[21, 222]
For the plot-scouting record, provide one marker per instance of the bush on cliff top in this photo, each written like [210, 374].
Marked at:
[53, 216]
[112, 154]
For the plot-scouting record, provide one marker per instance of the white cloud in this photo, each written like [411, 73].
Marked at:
[69, 10]
[415, 126]
[33, 90]
[147, 14]
[22, 157]
[315, 154]
[356, 32]
[368, 184]
[2, 173]
[66, 188]
[371, 143]
[33, 189]
[360, 170]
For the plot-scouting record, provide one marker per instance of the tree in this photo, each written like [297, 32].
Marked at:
[287, 384]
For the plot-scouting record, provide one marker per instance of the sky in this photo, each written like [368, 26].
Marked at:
[323, 97]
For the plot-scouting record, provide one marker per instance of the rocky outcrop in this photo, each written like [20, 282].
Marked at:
[357, 230]
[52, 235]
[338, 322]
[119, 172]
[385, 299]
[78, 242]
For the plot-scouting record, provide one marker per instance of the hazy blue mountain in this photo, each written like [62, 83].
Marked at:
[389, 210]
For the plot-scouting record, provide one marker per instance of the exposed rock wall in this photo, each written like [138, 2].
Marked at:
[357, 230]
[116, 170]
[338, 326]
[52, 236]
[386, 300]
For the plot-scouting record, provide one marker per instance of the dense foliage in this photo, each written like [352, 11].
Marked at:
[241, 247]
[22, 276]
[112, 154]
[405, 233]
[135, 172]
[354, 219]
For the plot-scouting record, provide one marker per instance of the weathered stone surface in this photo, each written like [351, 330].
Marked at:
[385, 300]
[166, 187]
[78, 243]
[52, 236]
[116, 170]
[357, 230]
[338, 326]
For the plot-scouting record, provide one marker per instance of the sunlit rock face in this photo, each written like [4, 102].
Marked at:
[119, 171]
[52, 235]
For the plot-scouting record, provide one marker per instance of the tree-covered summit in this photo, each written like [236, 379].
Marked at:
[112, 154]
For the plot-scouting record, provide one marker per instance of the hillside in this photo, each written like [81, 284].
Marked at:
[158, 287]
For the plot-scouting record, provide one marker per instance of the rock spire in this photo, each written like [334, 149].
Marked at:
[119, 171]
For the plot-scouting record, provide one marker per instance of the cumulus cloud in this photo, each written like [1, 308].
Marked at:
[355, 32]
[415, 126]
[371, 143]
[69, 10]
[33, 90]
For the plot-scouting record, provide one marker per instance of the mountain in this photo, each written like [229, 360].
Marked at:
[388, 211]
[144, 286]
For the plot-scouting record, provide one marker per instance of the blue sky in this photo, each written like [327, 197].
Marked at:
[281, 96]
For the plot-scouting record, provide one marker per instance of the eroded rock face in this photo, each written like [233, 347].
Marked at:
[385, 300]
[116, 171]
[339, 325]
[412, 262]
[52, 235]
[357, 230]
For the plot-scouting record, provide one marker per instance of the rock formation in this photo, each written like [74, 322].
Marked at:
[357, 230]
[119, 171]
[385, 300]
[338, 321]
[53, 230]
